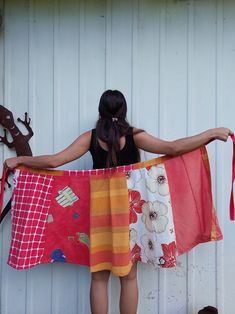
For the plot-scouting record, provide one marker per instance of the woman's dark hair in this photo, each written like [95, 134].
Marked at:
[112, 124]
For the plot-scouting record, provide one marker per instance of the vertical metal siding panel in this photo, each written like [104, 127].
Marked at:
[92, 64]
[65, 288]
[41, 112]
[2, 286]
[93, 70]
[2, 53]
[135, 79]
[16, 73]
[91, 85]
[1, 146]
[146, 57]
[119, 76]
[220, 197]
[190, 279]
[162, 102]
[38, 290]
[43, 44]
[81, 71]
[108, 42]
[65, 62]
[119, 65]
[113, 287]
[226, 114]
[173, 108]
[202, 116]
[66, 54]
[83, 276]
[145, 83]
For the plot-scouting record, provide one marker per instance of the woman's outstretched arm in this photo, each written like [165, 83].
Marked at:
[78, 148]
[155, 145]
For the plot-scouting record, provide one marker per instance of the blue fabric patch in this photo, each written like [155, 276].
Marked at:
[58, 256]
[76, 215]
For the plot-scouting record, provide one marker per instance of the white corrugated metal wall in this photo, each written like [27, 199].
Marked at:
[175, 62]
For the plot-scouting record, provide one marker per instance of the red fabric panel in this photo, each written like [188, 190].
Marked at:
[190, 189]
[32, 199]
[67, 226]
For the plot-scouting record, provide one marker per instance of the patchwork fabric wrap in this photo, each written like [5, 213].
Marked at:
[108, 219]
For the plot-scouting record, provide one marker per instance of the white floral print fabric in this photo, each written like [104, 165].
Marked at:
[154, 216]
[152, 236]
[156, 180]
[133, 178]
[133, 237]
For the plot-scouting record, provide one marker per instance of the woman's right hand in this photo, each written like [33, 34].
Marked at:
[12, 162]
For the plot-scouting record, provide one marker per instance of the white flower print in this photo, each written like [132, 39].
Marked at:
[149, 249]
[157, 180]
[133, 177]
[133, 237]
[154, 216]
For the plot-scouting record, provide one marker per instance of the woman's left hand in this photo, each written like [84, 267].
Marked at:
[222, 134]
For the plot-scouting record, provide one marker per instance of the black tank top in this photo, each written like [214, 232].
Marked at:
[128, 154]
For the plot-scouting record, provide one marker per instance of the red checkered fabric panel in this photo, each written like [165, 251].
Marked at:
[30, 205]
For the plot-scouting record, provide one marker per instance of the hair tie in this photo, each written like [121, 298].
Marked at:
[114, 119]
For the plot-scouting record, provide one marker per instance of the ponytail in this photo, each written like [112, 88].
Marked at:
[112, 123]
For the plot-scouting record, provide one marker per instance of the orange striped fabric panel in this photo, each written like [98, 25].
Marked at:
[109, 224]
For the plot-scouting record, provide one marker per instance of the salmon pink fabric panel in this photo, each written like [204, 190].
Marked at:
[190, 189]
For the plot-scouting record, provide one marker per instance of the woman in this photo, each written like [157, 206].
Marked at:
[114, 142]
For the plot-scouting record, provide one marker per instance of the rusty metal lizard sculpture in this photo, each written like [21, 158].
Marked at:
[19, 142]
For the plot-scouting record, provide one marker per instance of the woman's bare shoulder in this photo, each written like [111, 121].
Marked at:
[137, 130]
[86, 135]
[84, 139]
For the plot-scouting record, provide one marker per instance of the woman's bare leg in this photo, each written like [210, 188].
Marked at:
[129, 292]
[99, 292]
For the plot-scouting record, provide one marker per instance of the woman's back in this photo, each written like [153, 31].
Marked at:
[128, 153]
